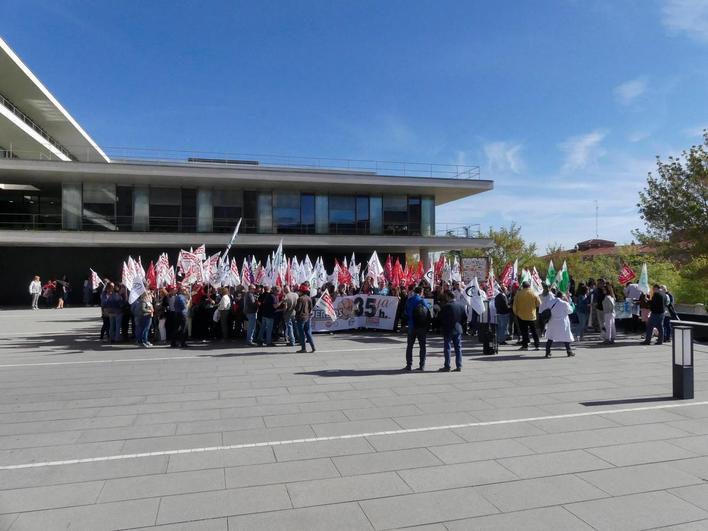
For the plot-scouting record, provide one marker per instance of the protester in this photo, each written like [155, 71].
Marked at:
[669, 312]
[418, 314]
[558, 328]
[145, 313]
[303, 314]
[35, 289]
[288, 307]
[582, 310]
[525, 307]
[181, 309]
[452, 319]
[114, 307]
[598, 308]
[608, 312]
[62, 292]
[657, 307]
[224, 309]
[267, 309]
[501, 304]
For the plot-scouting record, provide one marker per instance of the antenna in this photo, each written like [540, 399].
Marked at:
[597, 208]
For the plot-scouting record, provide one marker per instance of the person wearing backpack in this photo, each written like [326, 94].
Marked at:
[418, 314]
[452, 317]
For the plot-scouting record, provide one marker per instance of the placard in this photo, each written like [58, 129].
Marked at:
[474, 267]
[357, 311]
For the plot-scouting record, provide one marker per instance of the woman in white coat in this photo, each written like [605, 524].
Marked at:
[558, 328]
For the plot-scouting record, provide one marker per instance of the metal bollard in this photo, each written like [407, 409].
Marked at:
[682, 346]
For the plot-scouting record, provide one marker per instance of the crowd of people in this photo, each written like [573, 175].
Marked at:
[266, 316]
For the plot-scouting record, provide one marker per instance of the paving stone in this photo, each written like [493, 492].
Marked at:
[458, 475]
[381, 412]
[267, 434]
[105, 516]
[530, 520]
[384, 461]
[638, 453]
[426, 508]
[212, 524]
[420, 439]
[285, 472]
[36, 498]
[228, 424]
[162, 485]
[479, 451]
[638, 511]
[698, 445]
[220, 503]
[6, 521]
[697, 466]
[220, 459]
[297, 451]
[700, 525]
[697, 495]
[130, 432]
[563, 425]
[499, 431]
[59, 453]
[557, 463]
[639, 478]
[319, 417]
[342, 517]
[174, 442]
[355, 427]
[351, 488]
[540, 492]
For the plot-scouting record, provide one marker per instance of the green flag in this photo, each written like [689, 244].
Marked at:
[551, 274]
[562, 280]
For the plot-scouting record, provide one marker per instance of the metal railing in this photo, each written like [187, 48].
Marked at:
[267, 160]
[27, 120]
[179, 224]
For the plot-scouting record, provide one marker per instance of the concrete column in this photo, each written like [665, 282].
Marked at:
[71, 206]
[205, 210]
[141, 208]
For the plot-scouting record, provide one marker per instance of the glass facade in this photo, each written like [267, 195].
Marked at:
[106, 207]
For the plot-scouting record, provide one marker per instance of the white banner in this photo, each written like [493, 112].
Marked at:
[474, 267]
[357, 311]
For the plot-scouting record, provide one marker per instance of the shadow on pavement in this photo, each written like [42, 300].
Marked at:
[353, 372]
[628, 401]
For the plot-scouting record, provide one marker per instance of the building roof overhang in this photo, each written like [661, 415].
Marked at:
[27, 93]
[242, 177]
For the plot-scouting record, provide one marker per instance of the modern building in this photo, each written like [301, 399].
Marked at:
[66, 204]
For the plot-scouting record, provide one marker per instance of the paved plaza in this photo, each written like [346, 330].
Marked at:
[223, 437]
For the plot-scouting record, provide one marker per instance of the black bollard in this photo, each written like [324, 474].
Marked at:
[682, 345]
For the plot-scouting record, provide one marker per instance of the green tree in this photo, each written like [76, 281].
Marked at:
[674, 204]
[508, 246]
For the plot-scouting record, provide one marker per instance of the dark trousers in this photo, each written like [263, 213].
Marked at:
[549, 343]
[420, 335]
[456, 340]
[180, 332]
[105, 327]
[525, 327]
[655, 321]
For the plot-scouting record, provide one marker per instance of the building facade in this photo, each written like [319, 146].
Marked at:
[66, 204]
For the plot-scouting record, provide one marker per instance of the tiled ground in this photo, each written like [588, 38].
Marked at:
[65, 396]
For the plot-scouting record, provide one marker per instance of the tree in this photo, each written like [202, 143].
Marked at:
[674, 205]
[509, 245]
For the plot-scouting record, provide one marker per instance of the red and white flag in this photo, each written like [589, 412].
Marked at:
[324, 303]
[627, 274]
[95, 279]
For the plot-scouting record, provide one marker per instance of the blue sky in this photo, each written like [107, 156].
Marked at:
[561, 102]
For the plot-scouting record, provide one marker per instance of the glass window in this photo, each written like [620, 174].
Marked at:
[414, 215]
[124, 207]
[165, 209]
[228, 207]
[427, 216]
[342, 214]
[362, 215]
[375, 215]
[286, 212]
[265, 212]
[141, 208]
[250, 212]
[395, 214]
[188, 211]
[322, 214]
[99, 206]
[307, 213]
[205, 210]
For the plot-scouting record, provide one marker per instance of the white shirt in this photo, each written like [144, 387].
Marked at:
[35, 287]
[224, 303]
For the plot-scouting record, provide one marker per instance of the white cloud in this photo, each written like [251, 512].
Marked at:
[627, 92]
[582, 151]
[504, 157]
[638, 135]
[687, 16]
[695, 131]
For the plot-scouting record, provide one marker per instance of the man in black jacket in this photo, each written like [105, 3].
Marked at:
[452, 317]
[656, 317]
